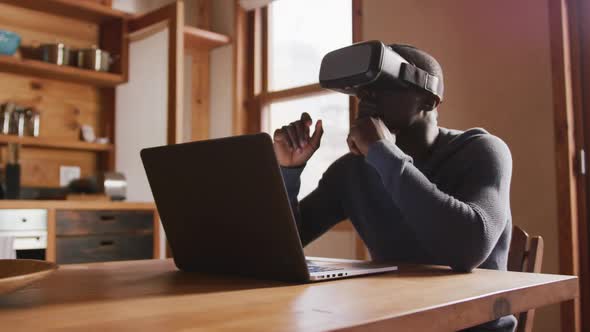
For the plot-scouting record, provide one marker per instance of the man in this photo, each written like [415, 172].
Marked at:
[415, 192]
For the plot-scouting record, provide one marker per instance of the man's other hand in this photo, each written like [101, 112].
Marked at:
[366, 131]
[292, 143]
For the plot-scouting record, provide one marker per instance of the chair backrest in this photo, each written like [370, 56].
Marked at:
[525, 255]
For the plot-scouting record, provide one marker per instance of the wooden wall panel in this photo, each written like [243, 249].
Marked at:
[38, 27]
[40, 167]
[64, 107]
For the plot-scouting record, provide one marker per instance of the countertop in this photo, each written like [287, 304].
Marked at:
[75, 205]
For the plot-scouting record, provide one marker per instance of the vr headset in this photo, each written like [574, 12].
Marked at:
[373, 66]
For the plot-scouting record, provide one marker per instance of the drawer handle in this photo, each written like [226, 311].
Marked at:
[107, 243]
[107, 218]
[24, 238]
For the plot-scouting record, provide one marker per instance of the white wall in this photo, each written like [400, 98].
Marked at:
[141, 105]
[141, 117]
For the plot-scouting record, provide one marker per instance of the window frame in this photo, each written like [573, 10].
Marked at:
[252, 70]
[250, 83]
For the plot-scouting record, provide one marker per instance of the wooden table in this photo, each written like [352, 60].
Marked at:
[153, 296]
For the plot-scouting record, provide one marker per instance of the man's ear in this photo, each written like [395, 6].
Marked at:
[429, 104]
[432, 102]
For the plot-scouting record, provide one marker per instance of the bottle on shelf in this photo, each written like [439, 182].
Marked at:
[12, 172]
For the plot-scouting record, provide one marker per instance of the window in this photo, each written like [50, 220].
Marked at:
[278, 50]
[300, 33]
[333, 110]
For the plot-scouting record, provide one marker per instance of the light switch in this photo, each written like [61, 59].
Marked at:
[67, 174]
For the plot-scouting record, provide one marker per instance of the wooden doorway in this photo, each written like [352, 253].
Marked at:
[578, 12]
[570, 53]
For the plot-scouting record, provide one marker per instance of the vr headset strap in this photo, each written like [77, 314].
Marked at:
[420, 78]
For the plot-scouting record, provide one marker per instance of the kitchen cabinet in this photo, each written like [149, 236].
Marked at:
[84, 236]
[86, 231]
[28, 229]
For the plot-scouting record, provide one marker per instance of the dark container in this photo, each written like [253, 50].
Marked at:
[12, 181]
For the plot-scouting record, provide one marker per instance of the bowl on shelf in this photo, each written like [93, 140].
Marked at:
[9, 42]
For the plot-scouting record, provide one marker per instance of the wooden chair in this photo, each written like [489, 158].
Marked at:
[526, 255]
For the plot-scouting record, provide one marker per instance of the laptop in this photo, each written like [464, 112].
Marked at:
[225, 210]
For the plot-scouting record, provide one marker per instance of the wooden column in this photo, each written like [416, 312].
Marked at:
[175, 72]
[247, 81]
[51, 237]
[200, 88]
[200, 105]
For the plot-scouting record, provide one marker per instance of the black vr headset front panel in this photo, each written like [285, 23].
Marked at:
[372, 66]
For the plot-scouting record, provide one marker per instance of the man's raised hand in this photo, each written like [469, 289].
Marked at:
[293, 144]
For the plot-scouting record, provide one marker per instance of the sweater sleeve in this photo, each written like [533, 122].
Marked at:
[458, 228]
[320, 210]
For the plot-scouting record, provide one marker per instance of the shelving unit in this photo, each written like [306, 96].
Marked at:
[195, 41]
[82, 10]
[66, 97]
[12, 64]
[53, 143]
[198, 42]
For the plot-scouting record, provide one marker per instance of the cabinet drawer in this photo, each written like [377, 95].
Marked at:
[102, 248]
[84, 222]
[23, 220]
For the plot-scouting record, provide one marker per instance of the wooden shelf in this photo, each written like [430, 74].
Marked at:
[15, 65]
[76, 9]
[199, 39]
[54, 143]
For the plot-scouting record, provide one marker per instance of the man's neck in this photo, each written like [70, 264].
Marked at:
[417, 142]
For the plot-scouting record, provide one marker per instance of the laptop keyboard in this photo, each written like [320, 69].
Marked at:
[316, 268]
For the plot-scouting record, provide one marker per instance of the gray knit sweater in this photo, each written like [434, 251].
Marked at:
[453, 210]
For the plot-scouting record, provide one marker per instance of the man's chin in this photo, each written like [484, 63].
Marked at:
[394, 129]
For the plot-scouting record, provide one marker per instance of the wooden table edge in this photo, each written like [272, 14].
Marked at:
[501, 303]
